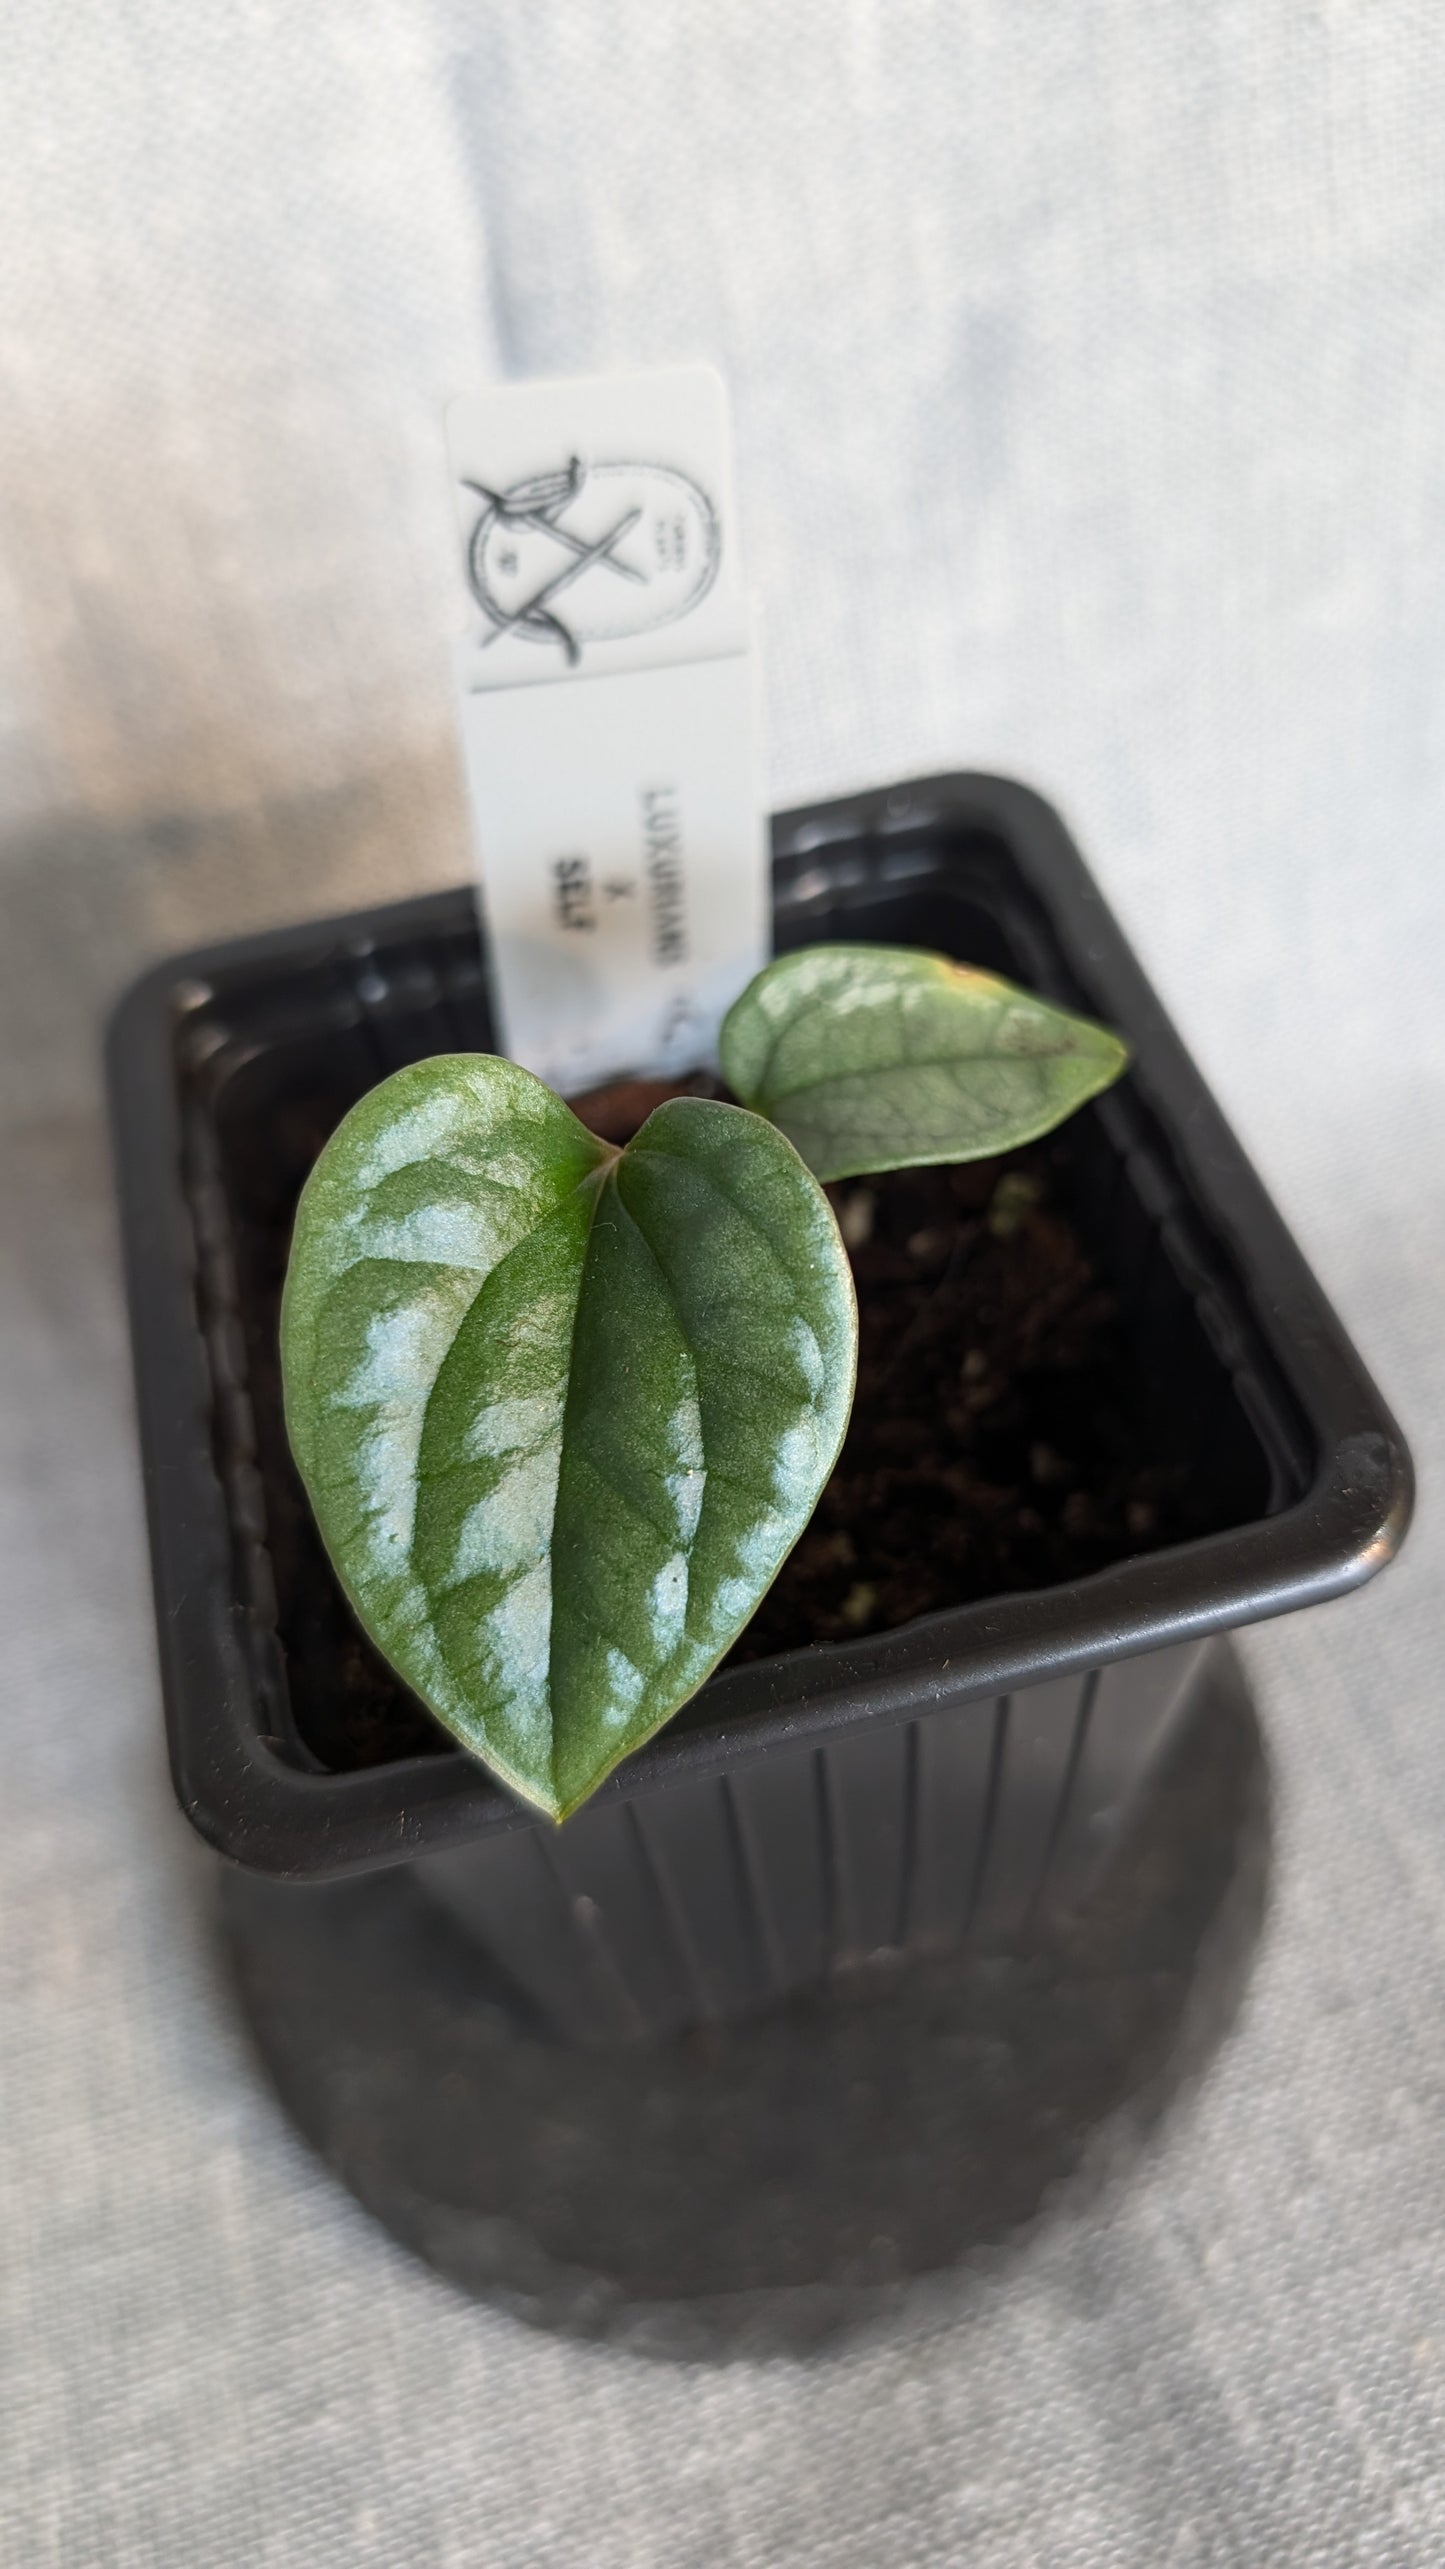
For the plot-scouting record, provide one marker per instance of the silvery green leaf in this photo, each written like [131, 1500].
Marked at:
[883, 1057]
[561, 1411]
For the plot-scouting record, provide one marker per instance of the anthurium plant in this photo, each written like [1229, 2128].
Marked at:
[563, 1408]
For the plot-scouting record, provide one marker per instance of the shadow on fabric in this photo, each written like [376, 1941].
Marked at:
[778, 2187]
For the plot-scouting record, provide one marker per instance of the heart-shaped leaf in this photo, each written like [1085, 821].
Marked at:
[561, 1411]
[883, 1057]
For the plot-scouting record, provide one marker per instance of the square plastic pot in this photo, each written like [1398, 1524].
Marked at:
[909, 1791]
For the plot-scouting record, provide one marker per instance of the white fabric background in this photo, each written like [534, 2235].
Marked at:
[1089, 367]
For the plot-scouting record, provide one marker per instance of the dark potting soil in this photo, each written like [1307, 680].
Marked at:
[1001, 1436]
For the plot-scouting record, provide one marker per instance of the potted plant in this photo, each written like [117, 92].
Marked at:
[1130, 1422]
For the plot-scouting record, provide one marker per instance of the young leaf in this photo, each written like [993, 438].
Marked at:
[561, 1411]
[883, 1057]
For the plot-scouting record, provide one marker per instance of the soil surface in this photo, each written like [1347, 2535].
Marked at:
[1002, 1438]
[999, 1439]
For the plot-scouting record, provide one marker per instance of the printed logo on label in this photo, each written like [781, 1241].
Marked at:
[591, 553]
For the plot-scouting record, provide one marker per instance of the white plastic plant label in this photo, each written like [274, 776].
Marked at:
[608, 719]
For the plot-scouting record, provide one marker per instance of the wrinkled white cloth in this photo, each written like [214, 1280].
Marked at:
[1089, 369]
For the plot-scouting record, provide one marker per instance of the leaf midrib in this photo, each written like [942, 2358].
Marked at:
[608, 1175]
[922, 1061]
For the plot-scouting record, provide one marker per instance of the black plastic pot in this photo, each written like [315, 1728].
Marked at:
[908, 1792]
